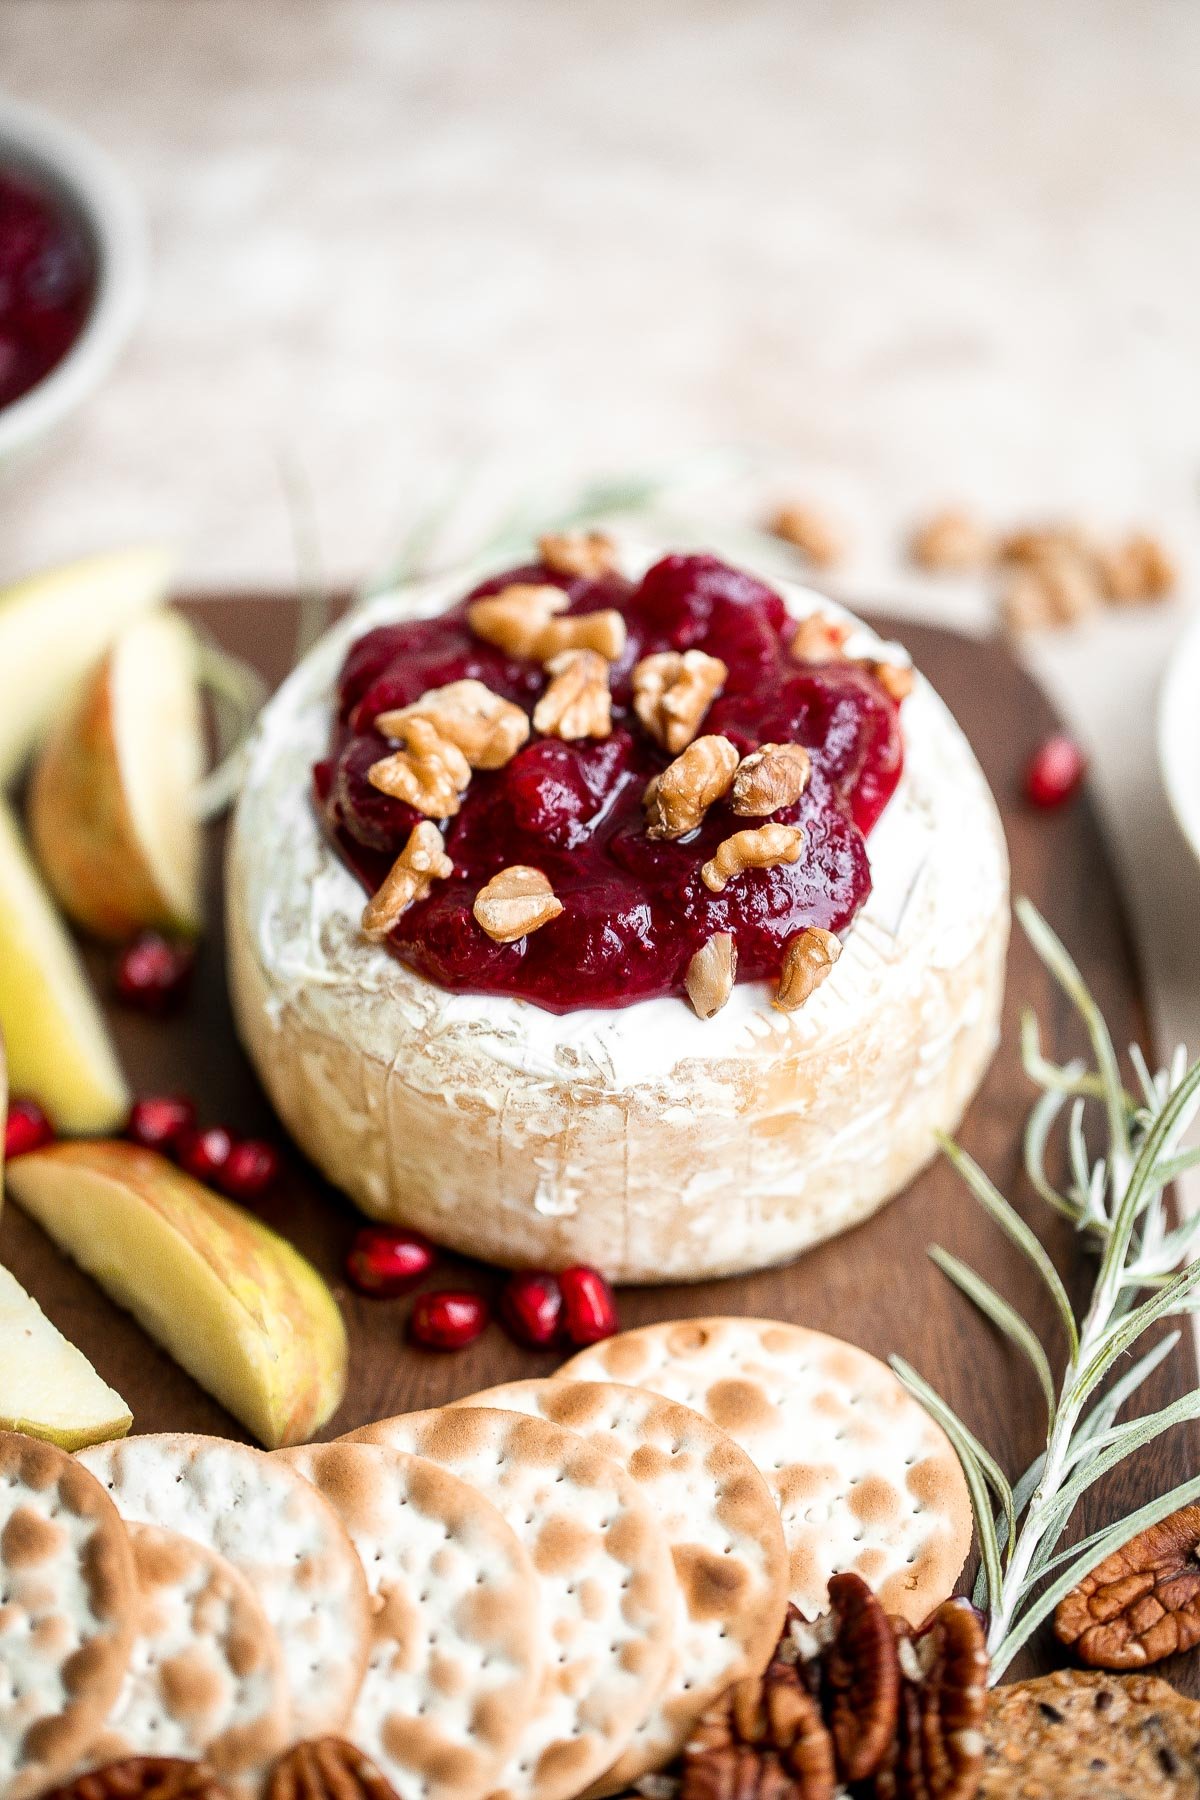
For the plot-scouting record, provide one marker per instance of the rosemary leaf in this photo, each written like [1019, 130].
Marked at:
[1003, 1316]
[979, 1468]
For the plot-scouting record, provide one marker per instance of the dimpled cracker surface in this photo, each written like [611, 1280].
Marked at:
[456, 1660]
[205, 1676]
[719, 1518]
[276, 1530]
[608, 1601]
[862, 1476]
[67, 1604]
[1082, 1735]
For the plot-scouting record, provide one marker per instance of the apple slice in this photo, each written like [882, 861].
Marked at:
[54, 626]
[58, 1048]
[110, 803]
[234, 1304]
[48, 1388]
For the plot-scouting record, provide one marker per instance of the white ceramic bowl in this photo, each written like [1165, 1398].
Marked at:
[1179, 734]
[95, 191]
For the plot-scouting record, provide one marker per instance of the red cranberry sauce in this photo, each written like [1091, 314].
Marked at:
[636, 910]
[47, 281]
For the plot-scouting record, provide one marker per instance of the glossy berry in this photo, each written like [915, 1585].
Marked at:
[1054, 772]
[26, 1128]
[531, 1307]
[160, 1120]
[152, 973]
[204, 1153]
[447, 1321]
[589, 1306]
[383, 1263]
[250, 1170]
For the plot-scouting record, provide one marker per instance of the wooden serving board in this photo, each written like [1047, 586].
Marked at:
[875, 1285]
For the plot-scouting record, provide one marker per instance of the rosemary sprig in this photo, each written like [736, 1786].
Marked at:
[1146, 1271]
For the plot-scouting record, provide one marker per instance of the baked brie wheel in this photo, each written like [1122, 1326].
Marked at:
[644, 1139]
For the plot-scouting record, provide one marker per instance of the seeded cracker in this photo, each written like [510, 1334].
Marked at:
[1081, 1735]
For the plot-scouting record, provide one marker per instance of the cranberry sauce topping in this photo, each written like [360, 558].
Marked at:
[635, 909]
[47, 280]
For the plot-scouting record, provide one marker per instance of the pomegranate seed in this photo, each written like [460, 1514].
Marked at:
[204, 1153]
[152, 973]
[250, 1169]
[26, 1128]
[160, 1120]
[384, 1263]
[589, 1305]
[447, 1321]
[1054, 771]
[531, 1307]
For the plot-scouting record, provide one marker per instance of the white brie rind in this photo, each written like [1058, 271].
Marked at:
[641, 1140]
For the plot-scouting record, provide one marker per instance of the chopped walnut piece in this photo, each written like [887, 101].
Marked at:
[486, 728]
[1033, 545]
[1136, 570]
[761, 848]
[587, 555]
[577, 703]
[429, 773]
[672, 691]
[677, 800]
[952, 541]
[810, 956]
[711, 974]
[811, 532]
[819, 638]
[514, 902]
[773, 776]
[1057, 590]
[422, 861]
[896, 679]
[515, 619]
[602, 632]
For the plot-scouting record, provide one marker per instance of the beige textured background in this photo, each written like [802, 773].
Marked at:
[897, 251]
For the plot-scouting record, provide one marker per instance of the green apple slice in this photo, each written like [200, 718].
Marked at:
[58, 1048]
[54, 626]
[233, 1303]
[48, 1388]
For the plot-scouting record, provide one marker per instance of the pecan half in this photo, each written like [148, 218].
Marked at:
[144, 1778]
[937, 1752]
[586, 555]
[422, 861]
[773, 776]
[807, 961]
[487, 729]
[515, 902]
[327, 1768]
[761, 848]
[677, 800]
[577, 703]
[428, 774]
[763, 1740]
[819, 638]
[1141, 1603]
[711, 975]
[861, 1678]
[516, 619]
[672, 691]
[811, 532]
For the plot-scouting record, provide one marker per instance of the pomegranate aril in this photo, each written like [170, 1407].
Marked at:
[250, 1169]
[26, 1128]
[204, 1153]
[531, 1307]
[152, 973]
[1054, 772]
[589, 1306]
[447, 1321]
[384, 1263]
[160, 1120]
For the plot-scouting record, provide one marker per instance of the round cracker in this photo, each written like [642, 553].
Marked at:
[863, 1478]
[275, 1529]
[456, 1657]
[607, 1590]
[206, 1676]
[67, 1605]
[719, 1517]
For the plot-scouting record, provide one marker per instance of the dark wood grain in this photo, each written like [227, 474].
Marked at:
[875, 1285]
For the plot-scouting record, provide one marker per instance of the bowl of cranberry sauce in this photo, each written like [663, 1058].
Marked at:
[635, 906]
[72, 272]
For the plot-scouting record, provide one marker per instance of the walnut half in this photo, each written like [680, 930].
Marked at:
[578, 702]
[429, 773]
[486, 728]
[515, 902]
[677, 800]
[772, 777]
[584, 555]
[672, 691]
[806, 964]
[711, 974]
[522, 620]
[422, 861]
[761, 848]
